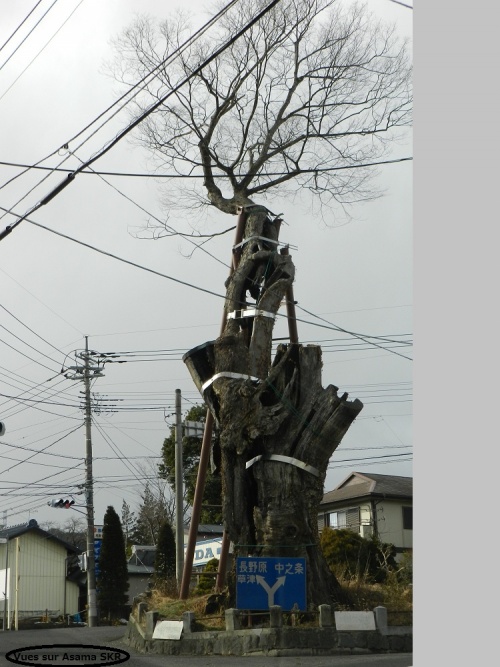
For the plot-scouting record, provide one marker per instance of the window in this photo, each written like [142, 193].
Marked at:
[337, 519]
[348, 518]
[408, 518]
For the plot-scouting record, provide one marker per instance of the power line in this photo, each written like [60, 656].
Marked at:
[196, 287]
[398, 2]
[37, 451]
[39, 300]
[33, 332]
[122, 174]
[121, 259]
[42, 49]
[123, 133]
[371, 463]
[25, 355]
[42, 450]
[19, 26]
[34, 463]
[116, 450]
[27, 344]
[32, 29]
[167, 227]
[136, 87]
[50, 393]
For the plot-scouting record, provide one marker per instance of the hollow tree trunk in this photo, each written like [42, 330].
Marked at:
[278, 426]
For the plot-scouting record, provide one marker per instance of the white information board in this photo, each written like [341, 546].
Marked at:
[168, 630]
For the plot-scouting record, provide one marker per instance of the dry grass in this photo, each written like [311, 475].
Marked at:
[396, 595]
[395, 598]
[171, 609]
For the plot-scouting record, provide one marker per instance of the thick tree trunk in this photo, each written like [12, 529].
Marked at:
[278, 426]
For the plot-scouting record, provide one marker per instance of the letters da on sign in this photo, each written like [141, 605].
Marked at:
[205, 550]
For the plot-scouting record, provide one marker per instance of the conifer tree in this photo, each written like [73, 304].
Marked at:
[112, 583]
[150, 516]
[128, 524]
[165, 553]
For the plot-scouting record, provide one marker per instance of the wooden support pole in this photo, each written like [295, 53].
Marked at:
[290, 309]
[205, 453]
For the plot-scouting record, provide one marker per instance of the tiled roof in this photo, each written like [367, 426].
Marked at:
[361, 485]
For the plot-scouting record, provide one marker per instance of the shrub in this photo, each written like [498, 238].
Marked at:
[351, 556]
[206, 584]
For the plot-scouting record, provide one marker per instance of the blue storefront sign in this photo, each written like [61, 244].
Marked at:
[97, 554]
[264, 582]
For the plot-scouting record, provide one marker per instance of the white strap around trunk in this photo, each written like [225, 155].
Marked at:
[285, 459]
[228, 374]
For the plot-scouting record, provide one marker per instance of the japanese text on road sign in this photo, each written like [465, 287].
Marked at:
[264, 582]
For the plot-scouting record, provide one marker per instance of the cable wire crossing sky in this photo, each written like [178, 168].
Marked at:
[107, 258]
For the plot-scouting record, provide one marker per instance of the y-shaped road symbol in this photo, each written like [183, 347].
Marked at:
[270, 590]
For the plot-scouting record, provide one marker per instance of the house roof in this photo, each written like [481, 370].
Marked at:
[142, 556]
[139, 569]
[361, 485]
[11, 532]
[210, 529]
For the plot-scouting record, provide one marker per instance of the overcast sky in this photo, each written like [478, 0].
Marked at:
[356, 275]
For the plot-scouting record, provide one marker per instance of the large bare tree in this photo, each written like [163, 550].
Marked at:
[302, 99]
[305, 98]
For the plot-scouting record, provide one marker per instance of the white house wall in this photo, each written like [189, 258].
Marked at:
[11, 580]
[388, 521]
[390, 524]
[72, 595]
[42, 577]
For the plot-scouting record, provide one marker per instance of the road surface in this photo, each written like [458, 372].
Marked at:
[113, 637]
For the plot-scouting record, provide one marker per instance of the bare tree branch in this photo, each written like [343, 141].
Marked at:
[313, 85]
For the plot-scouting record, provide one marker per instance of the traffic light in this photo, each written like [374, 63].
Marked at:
[2, 428]
[64, 503]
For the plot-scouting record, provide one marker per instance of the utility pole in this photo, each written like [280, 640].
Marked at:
[89, 494]
[179, 522]
[86, 373]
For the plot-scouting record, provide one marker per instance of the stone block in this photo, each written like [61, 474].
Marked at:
[233, 621]
[187, 621]
[276, 617]
[151, 619]
[325, 616]
[354, 620]
[381, 618]
[141, 610]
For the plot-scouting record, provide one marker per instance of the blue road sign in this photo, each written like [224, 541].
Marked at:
[264, 582]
